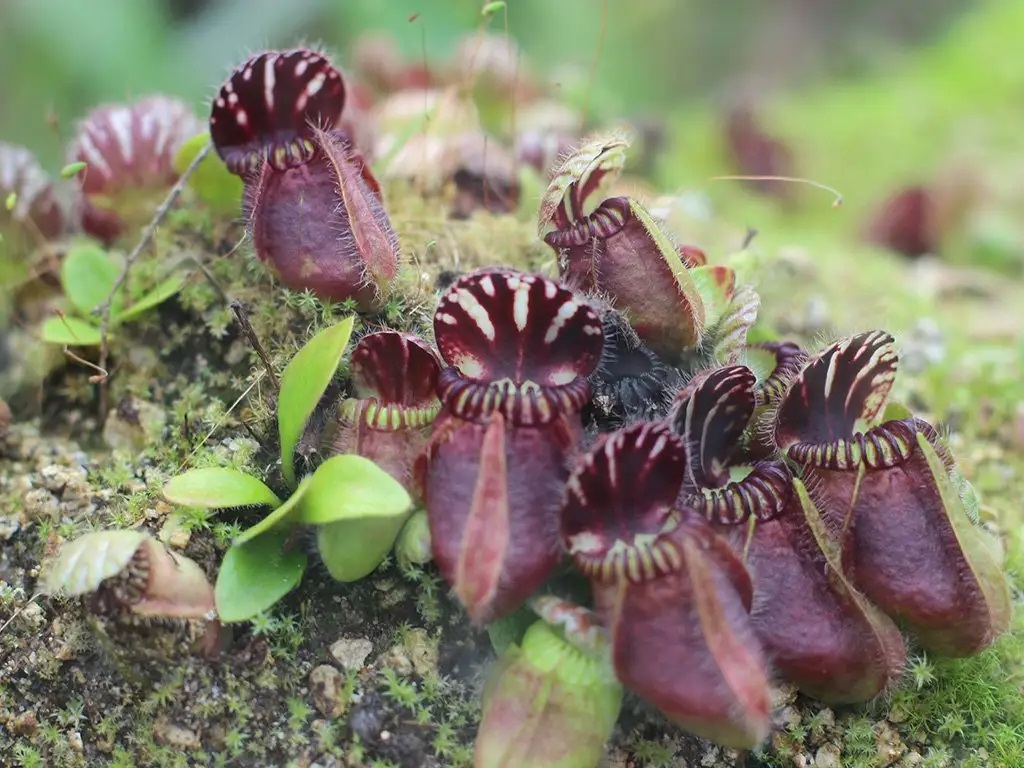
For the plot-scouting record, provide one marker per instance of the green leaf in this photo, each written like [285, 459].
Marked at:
[349, 487]
[217, 488]
[510, 629]
[88, 274]
[413, 546]
[255, 575]
[711, 293]
[981, 553]
[286, 512]
[157, 296]
[303, 383]
[72, 169]
[72, 331]
[352, 549]
[894, 410]
[212, 182]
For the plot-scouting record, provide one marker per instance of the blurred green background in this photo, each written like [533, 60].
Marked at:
[59, 57]
[869, 95]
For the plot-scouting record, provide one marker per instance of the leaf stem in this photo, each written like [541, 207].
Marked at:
[147, 236]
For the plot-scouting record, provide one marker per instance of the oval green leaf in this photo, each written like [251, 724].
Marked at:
[71, 170]
[413, 546]
[352, 549]
[161, 293]
[894, 410]
[348, 487]
[72, 331]
[212, 182]
[711, 292]
[218, 488]
[303, 383]
[286, 513]
[88, 275]
[255, 575]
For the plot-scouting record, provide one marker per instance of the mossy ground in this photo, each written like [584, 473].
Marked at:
[81, 689]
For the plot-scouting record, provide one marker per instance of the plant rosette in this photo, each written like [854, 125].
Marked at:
[358, 509]
[88, 276]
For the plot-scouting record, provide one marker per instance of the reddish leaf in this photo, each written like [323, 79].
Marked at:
[394, 376]
[672, 593]
[819, 631]
[693, 256]
[517, 343]
[711, 414]
[620, 251]
[492, 492]
[578, 177]
[755, 153]
[322, 225]
[906, 223]
[35, 204]
[270, 107]
[762, 494]
[394, 367]
[623, 490]
[847, 382]
[132, 146]
[908, 544]
[787, 360]
[129, 150]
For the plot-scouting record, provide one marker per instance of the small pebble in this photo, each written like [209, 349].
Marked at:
[327, 685]
[174, 735]
[787, 718]
[827, 757]
[24, 724]
[33, 616]
[890, 746]
[351, 652]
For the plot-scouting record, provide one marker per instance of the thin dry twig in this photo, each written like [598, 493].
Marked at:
[101, 373]
[147, 236]
[837, 197]
[20, 610]
[242, 318]
[222, 420]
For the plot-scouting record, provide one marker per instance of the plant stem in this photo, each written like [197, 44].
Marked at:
[147, 236]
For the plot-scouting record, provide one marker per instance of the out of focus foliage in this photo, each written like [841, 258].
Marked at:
[70, 55]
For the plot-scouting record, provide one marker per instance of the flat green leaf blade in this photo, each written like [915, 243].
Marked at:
[72, 331]
[510, 629]
[348, 487]
[218, 488]
[711, 293]
[352, 549]
[286, 513]
[255, 575]
[212, 182]
[303, 383]
[161, 293]
[88, 274]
